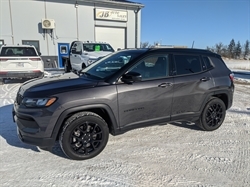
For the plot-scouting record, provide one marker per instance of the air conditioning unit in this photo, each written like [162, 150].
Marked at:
[48, 23]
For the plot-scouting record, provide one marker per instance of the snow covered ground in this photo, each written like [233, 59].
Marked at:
[174, 154]
[241, 69]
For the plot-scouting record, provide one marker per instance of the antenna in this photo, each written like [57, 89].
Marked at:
[193, 45]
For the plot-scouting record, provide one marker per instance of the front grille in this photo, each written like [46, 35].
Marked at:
[19, 99]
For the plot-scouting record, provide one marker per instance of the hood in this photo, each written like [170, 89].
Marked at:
[97, 54]
[49, 86]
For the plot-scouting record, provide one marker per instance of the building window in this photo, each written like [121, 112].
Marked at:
[35, 43]
[1, 42]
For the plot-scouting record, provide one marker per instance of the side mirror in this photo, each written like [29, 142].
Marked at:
[73, 51]
[131, 77]
[39, 53]
[118, 49]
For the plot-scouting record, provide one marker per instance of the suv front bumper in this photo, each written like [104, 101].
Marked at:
[29, 131]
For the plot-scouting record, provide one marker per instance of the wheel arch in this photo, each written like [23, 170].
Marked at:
[101, 109]
[223, 95]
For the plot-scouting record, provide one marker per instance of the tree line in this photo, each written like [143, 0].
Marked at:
[233, 50]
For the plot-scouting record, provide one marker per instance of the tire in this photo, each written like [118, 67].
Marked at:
[83, 66]
[84, 136]
[66, 67]
[212, 115]
[1, 81]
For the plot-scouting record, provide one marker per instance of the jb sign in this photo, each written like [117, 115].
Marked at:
[115, 15]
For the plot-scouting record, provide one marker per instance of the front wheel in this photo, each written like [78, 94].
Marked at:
[84, 136]
[67, 67]
[212, 115]
[83, 66]
[1, 81]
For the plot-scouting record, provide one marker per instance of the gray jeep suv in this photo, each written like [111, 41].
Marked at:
[125, 90]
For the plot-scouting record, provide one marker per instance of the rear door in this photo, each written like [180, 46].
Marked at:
[63, 51]
[192, 83]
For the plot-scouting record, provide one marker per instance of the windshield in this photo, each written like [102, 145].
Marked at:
[110, 64]
[90, 47]
[18, 51]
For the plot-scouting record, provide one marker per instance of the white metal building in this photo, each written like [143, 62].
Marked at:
[51, 25]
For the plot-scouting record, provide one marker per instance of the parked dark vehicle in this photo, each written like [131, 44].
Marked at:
[125, 90]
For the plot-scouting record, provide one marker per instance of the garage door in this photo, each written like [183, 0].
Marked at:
[113, 36]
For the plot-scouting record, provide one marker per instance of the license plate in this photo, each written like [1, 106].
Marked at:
[20, 64]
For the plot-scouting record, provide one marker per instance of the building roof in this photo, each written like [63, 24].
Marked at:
[117, 2]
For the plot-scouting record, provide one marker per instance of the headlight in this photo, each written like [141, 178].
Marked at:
[38, 102]
[90, 61]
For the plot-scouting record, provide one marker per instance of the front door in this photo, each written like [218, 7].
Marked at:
[63, 51]
[149, 101]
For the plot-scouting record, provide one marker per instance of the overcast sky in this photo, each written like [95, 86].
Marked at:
[206, 22]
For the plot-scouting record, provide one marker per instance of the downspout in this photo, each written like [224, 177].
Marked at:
[46, 33]
[77, 23]
[11, 24]
[136, 26]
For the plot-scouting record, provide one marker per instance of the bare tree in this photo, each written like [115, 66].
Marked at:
[144, 44]
[219, 48]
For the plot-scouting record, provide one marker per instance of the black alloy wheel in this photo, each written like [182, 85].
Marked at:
[213, 115]
[84, 136]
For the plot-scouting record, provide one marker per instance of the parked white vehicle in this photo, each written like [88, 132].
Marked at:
[20, 61]
[82, 54]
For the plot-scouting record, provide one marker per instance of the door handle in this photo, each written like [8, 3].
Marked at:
[204, 79]
[165, 84]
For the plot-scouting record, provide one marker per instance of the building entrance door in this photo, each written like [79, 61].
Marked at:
[63, 51]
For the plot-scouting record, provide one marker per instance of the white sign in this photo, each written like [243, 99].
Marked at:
[115, 15]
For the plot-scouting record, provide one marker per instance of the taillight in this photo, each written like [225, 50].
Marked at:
[231, 76]
[3, 59]
[35, 59]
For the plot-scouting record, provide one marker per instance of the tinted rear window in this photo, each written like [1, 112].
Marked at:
[207, 62]
[187, 64]
[18, 51]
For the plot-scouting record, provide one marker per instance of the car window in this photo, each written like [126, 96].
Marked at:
[152, 67]
[18, 51]
[207, 62]
[187, 64]
[90, 47]
[111, 63]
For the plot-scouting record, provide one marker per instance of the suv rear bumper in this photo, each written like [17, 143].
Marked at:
[21, 74]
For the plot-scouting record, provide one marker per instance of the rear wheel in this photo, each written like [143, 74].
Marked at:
[212, 115]
[84, 136]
